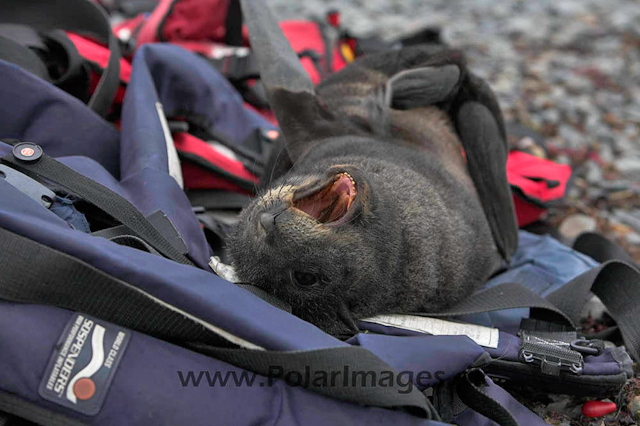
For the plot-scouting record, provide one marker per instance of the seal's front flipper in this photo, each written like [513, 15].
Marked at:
[473, 108]
[486, 152]
[420, 87]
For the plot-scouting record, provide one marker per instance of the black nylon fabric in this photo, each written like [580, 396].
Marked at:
[81, 16]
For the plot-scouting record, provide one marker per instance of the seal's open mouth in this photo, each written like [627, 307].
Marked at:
[329, 202]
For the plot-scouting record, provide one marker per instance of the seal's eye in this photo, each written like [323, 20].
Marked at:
[304, 279]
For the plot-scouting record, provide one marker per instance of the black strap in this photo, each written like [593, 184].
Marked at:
[218, 200]
[100, 196]
[159, 221]
[469, 389]
[134, 242]
[345, 359]
[75, 79]
[237, 68]
[617, 284]
[505, 296]
[31, 411]
[50, 55]
[233, 24]
[601, 249]
[80, 16]
[34, 273]
[23, 57]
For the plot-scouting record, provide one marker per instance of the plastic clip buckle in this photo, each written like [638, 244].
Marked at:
[552, 356]
[28, 186]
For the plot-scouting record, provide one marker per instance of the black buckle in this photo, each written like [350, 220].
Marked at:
[552, 355]
[588, 347]
[240, 68]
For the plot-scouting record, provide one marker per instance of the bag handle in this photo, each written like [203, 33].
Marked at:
[80, 16]
[469, 387]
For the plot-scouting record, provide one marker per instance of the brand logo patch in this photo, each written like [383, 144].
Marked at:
[83, 364]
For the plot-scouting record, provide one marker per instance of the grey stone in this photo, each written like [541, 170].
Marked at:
[579, 83]
[627, 218]
[593, 173]
[633, 238]
[571, 135]
[551, 115]
[628, 165]
[606, 153]
[575, 225]
[625, 146]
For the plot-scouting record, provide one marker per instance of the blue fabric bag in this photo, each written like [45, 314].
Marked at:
[124, 322]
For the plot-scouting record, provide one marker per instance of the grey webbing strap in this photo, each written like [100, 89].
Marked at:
[20, 409]
[504, 296]
[601, 249]
[469, 387]
[31, 272]
[617, 284]
[22, 56]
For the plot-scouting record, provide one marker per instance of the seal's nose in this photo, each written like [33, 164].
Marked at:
[268, 217]
[267, 220]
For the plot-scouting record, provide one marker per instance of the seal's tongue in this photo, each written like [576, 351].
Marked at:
[331, 202]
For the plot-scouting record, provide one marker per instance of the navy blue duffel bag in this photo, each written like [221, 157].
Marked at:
[110, 312]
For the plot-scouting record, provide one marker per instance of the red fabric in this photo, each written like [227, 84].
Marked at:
[532, 176]
[187, 20]
[196, 177]
[526, 213]
[99, 54]
[305, 35]
[338, 61]
[149, 31]
[128, 25]
[197, 20]
[521, 167]
[197, 24]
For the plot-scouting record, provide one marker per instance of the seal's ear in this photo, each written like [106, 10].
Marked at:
[290, 91]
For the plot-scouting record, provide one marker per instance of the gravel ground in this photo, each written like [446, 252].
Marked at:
[567, 74]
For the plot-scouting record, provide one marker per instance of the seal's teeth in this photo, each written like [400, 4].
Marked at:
[347, 175]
